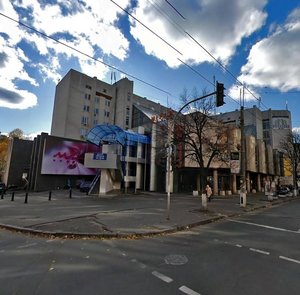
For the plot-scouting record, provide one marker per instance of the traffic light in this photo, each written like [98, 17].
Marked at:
[220, 94]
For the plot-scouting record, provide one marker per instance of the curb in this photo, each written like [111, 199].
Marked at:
[134, 235]
[138, 235]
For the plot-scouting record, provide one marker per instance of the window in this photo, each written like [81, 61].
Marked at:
[106, 113]
[84, 120]
[127, 121]
[127, 111]
[83, 132]
[87, 96]
[86, 108]
[97, 99]
[96, 112]
[128, 96]
[266, 134]
[266, 124]
[88, 87]
[104, 90]
[95, 122]
[107, 102]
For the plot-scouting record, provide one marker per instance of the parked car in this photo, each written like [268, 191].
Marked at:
[283, 191]
[2, 188]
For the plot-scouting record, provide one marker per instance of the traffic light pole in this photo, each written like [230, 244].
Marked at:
[243, 195]
[220, 96]
[243, 190]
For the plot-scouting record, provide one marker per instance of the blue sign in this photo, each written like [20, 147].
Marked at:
[100, 156]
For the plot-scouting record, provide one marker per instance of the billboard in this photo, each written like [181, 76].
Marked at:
[66, 157]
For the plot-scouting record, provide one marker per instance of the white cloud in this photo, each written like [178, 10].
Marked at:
[88, 26]
[14, 98]
[239, 94]
[296, 130]
[274, 61]
[215, 24]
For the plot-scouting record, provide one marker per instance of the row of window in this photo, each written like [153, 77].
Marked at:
[90, 88]
[96, 99]
[85, 121]
[96, 111]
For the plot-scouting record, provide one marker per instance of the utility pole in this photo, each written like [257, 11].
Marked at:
[243, 191]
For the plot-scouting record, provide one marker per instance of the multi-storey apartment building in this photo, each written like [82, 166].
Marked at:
[82, 102]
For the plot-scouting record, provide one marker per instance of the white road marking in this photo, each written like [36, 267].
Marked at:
[27, 246]
[265, 226]
[188, 291]
[289, 259]
[259, 251]
[140, 264]
[238, 245]
[162, 277]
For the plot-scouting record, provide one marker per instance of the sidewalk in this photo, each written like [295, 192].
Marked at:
[120, 216]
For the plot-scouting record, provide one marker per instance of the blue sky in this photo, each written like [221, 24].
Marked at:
[258, 41]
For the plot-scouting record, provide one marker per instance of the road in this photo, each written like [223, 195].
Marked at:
[258, 253]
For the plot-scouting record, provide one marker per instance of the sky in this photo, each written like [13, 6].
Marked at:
[164, 46]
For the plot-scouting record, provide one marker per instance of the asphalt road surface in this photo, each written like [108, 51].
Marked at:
[258, 253]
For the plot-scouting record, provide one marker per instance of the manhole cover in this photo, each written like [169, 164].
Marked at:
[176, 259]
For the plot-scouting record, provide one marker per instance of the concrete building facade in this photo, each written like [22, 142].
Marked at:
[83, 102]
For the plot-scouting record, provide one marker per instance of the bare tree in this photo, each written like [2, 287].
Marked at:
[199, 137]
[16, 133]
[290, 146]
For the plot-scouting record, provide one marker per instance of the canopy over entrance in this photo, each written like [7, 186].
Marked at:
[108, 134]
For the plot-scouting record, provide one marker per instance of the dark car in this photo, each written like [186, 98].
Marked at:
[2, 188]
[283, 191]
[85, 186]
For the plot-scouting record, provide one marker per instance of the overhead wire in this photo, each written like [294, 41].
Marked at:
[221, 65]
[177, 11]
[83, 53]
[137, 20]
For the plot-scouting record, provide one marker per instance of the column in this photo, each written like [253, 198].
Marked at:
[258, 183]
[234, 187]
[215, 176]
[139, 168]
[248, 182]
[152, 159]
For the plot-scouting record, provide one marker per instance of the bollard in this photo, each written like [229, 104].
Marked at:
[50, 194]
[243, 200]
[12, 196]
[70, 193]
[26, 198]
[2, 195]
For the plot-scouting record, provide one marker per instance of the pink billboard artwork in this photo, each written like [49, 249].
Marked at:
[66, 157]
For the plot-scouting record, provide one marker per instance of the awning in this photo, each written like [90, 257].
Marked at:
[101, 134]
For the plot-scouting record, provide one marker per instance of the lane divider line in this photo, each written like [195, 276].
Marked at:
[265, 226]
[259, 251]
[289, 259]
[188, 291]
[162, 277]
